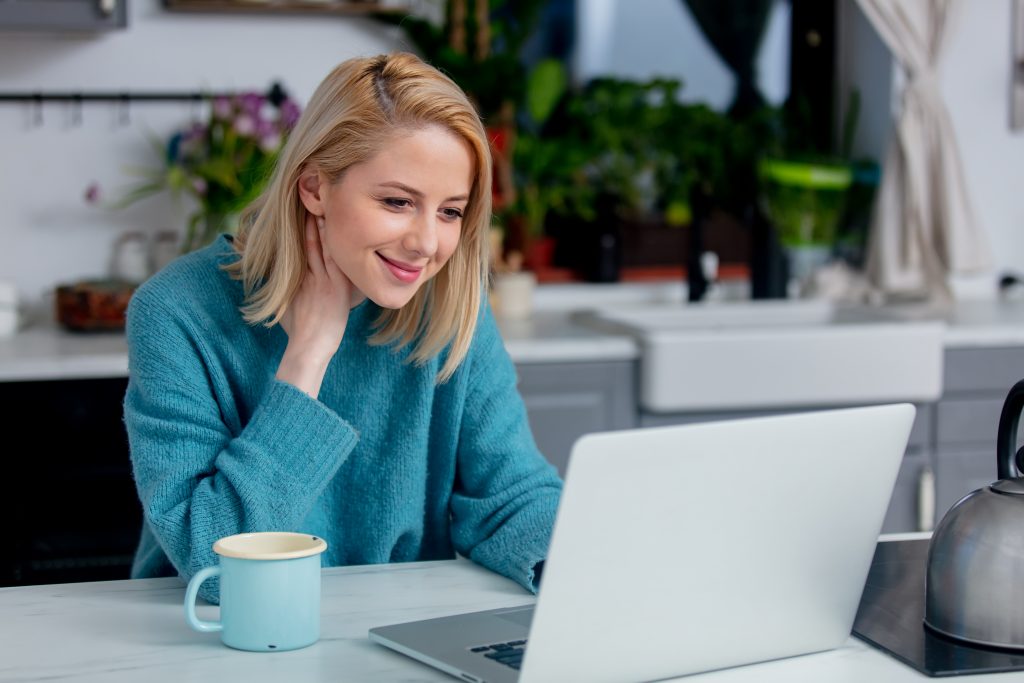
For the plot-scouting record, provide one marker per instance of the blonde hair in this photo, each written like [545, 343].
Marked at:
[359, 107]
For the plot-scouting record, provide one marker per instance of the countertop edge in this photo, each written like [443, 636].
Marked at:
[45, 352]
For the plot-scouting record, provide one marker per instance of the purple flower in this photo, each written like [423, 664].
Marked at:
[92, 193]
[199, 186]
[195, 131]
[193, 140]
[265, 127]
[222, 108]
[270, 142]
[245, 125]
[290, 113]
[251, 103]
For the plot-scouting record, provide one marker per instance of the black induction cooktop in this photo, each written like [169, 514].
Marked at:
[891, 617]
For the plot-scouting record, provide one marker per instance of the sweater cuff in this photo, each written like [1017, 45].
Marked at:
[293, 445]
[520, 554]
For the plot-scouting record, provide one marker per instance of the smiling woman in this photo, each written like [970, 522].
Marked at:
[335, 370]
[394, 221]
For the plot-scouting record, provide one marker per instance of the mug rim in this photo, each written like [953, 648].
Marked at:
[229, 545]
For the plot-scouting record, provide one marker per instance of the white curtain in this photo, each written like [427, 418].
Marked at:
[923, 227]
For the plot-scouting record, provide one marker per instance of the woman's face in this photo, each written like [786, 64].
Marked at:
[392, 222]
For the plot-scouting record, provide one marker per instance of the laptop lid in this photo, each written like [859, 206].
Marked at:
[692, 548]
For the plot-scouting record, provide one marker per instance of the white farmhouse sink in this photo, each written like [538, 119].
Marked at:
[770, 354]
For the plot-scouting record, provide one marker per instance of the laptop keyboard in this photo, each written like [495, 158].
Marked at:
[510, 654]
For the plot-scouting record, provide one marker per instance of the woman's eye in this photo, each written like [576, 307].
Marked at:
[452, 214]
[397, 203]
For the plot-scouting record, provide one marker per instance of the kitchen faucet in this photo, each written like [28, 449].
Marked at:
[769, 271]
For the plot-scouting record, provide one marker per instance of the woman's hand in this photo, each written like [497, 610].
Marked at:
[316, 318]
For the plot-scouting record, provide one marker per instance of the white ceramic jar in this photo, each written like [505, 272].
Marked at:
[513, 294]
[8, 309]
[131, 258]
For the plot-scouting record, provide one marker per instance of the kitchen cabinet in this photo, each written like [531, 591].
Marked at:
[70, 504]
[567, 400]
[911, 505]
[904, 513]
[975, 385]
[952, 447]
[63, 15]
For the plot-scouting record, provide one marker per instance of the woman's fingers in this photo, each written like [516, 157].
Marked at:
[314, 253]
[321, 233]
[322, 267]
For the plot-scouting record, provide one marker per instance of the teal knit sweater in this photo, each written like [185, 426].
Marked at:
[387, 465]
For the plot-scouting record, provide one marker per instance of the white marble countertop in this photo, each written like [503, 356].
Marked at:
[46, 352]
[552, 337]
[984, 324]
[135, 631]
[43, 351]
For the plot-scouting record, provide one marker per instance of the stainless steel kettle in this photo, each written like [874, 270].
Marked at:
[975, 591]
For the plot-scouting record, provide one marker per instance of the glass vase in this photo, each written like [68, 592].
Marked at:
[207, 226]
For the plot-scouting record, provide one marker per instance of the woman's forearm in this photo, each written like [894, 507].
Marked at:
[303, 370]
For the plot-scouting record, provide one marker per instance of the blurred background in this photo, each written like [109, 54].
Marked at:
[633, 136]
[648, 153]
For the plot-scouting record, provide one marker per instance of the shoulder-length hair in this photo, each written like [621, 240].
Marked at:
[359, 107]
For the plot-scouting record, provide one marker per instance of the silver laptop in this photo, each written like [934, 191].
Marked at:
[685, 549]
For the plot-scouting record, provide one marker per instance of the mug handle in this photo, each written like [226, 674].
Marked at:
[190, 601]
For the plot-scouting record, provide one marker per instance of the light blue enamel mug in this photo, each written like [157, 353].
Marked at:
[269, 591]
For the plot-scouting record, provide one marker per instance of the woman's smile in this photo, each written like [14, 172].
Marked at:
[403, 272]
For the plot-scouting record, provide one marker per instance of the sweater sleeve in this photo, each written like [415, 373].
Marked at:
[506, 493]
[198, 481]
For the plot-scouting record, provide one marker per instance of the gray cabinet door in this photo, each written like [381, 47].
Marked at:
[914, 483]
[564, 401]
[919, 434]
[960, 471]
[975, 385]
[988, 370]
[63, 15]
[904, 513]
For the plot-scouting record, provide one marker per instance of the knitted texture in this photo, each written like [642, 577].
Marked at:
[386, 466]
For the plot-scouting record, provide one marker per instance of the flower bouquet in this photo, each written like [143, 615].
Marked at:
[224, 163]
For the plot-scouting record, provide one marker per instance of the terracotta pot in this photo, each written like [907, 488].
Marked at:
[93, 306]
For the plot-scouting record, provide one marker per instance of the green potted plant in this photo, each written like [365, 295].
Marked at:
[638, 153]
[804, 191]
[548, 164]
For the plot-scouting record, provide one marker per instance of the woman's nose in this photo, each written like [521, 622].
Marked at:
[422, 236]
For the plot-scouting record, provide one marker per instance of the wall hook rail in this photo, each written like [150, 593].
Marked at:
[124, 96]
[123, 99]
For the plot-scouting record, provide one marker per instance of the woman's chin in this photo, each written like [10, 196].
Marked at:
[390, 300]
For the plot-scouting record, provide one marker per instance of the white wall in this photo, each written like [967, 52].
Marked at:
[976, 83]
[48, 234]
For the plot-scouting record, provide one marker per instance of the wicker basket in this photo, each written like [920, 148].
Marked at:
[93, 305]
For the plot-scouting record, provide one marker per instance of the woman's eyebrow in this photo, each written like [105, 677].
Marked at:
[419, 195]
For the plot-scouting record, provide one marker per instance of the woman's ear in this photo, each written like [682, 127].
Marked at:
[311, 186]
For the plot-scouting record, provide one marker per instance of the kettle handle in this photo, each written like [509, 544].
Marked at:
[1006, 438]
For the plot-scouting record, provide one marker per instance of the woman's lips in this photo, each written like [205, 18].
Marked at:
[402, 271]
